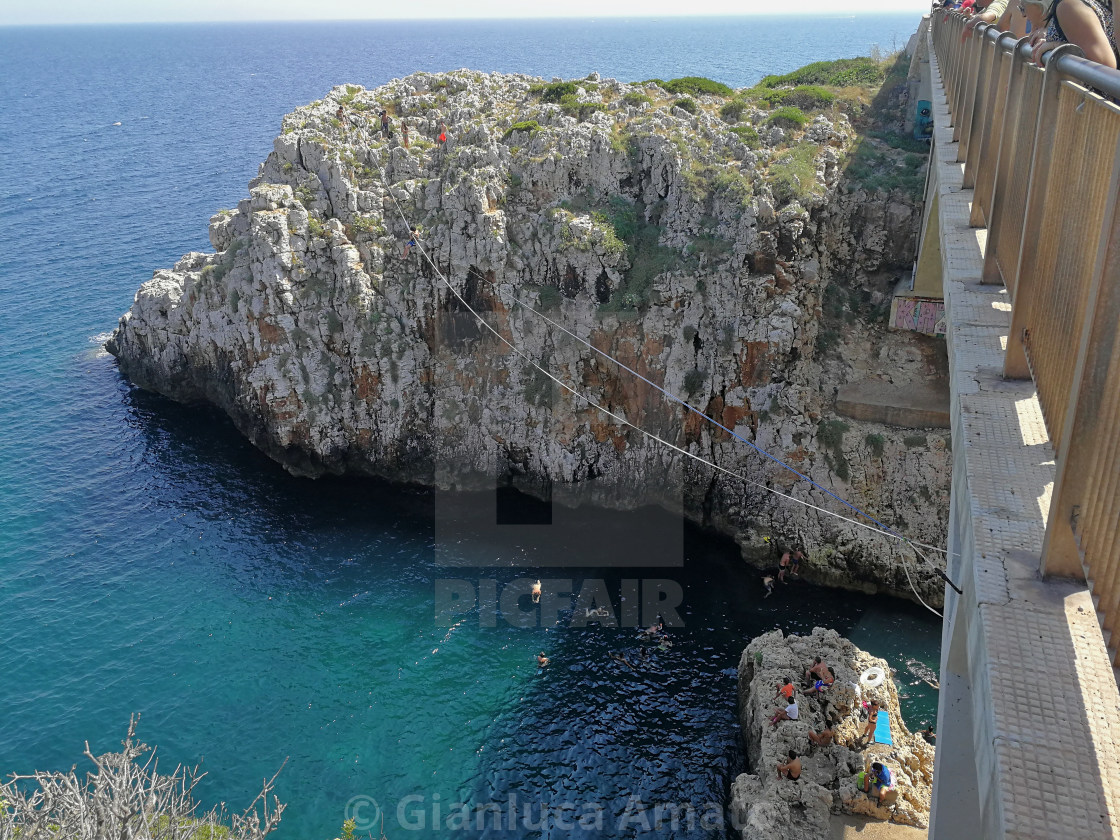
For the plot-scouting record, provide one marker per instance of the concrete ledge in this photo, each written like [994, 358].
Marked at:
[923, 405]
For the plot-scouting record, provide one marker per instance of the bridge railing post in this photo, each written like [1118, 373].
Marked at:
[1034, 230]
[1085, 507]
[981, 117]
[984, 162]
[1009, 189]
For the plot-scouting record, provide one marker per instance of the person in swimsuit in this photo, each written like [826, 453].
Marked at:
[768, 584]
[872, 718]
[929, 734]
[385, 124]
[783, 567]
[823, 738]
[791, 769]
[535, 591]
[542, 660]
[817, 671]
[795, 562]
[404, 133]
[413, 235]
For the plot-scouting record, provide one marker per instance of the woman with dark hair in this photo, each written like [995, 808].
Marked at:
[1085, 23]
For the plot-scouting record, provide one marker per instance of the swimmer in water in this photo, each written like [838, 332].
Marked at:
[542, 660]
[768, 583]
[535, 592]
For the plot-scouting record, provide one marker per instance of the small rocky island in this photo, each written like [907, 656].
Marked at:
[765, 807]
[716, 241]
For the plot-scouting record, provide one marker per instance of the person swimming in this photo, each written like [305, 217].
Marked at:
[542, 660]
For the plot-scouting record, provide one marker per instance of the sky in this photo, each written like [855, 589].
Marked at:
[20, 12]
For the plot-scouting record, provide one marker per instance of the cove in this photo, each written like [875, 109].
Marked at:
[251, 616]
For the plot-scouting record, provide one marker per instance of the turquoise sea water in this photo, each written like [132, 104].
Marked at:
[152, 561]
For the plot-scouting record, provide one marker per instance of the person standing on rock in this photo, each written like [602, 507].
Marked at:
[404, 133]
[868, 735]
[791, 769]
[385, 124]
[783, 566]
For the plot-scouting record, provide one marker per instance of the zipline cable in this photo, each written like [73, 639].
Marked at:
[881, 529]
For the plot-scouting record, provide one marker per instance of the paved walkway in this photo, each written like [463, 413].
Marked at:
[857, 828]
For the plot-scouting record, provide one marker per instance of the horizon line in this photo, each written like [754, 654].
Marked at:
[482, 18]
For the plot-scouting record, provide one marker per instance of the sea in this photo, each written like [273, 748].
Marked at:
[153, 562]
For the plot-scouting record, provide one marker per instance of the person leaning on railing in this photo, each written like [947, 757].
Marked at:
[1085, 23]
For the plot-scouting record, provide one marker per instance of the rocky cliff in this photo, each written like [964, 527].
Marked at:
[703, 246]
[765, 807]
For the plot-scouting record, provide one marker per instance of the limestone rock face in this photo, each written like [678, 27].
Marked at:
[654, 234]
[767, 808]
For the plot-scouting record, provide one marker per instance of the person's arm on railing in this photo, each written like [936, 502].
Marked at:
[1082, 28]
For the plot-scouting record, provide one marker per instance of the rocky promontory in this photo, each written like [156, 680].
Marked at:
[765, 807]
[712, 242]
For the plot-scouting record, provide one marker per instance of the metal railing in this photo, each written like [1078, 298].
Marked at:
[1041, 150]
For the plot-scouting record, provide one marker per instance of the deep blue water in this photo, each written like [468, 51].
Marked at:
[152, 561]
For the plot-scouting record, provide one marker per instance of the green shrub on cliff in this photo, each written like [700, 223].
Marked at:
[788, 117]
[806, 97]
[830, 436]
[844, 72]
[732, 111]
[686, 104]
[794, 174]
[747, 134]
[555, 91]
[695, 86]
[527, 125]
[634, 98]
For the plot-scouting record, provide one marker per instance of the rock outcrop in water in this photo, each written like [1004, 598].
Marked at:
[695, 251]
[767, 808]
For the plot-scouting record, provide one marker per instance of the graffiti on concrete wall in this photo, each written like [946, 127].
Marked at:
[923, 120]
[924, 315]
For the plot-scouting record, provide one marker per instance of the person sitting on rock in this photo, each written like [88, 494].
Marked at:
[820, 686]
[823, 738]
[929, 734]
[818, 671]
[877, 777]
[785, 689]
[788, 713]
[790, 769]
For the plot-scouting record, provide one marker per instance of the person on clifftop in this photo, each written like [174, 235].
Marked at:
[788, 713]
[785, 689]
[791, 769]
[385, 124]
[404, 133]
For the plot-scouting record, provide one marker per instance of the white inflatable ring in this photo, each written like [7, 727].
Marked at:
[872, 677]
